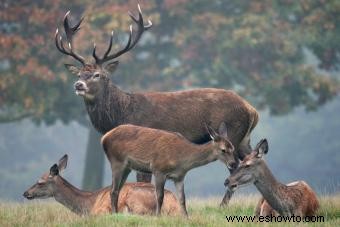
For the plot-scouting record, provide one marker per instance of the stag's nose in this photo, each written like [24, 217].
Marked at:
[79, 85]
[226, 182]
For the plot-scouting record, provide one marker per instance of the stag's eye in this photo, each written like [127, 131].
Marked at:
[223, 150]
[247, 166]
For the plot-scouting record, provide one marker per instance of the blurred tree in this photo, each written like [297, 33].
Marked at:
[256, 47]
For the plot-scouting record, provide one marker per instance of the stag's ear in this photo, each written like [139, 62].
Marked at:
[72, 68]
[112, 66]
[62, 163]
[222, 130]
[262, 148]
[54, 170]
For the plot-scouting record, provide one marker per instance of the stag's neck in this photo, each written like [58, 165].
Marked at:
[78, 201]
[273, 191]
[108, 110]
[202, 155]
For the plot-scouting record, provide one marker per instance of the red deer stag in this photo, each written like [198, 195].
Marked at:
[180, 111]
[167, 155]
[135, 198]
[296, 198]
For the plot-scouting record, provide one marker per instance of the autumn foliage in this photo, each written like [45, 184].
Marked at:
[260, 48]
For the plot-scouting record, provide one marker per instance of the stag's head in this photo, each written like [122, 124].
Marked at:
[222, 146]
[250, 167]
[92, 77]
[46, 185]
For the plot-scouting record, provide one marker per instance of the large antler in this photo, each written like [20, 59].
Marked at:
[130, 44]
[70, 32]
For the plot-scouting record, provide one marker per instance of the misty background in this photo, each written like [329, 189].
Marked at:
[282, 56]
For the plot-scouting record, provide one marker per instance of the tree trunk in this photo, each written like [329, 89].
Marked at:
[94, 162]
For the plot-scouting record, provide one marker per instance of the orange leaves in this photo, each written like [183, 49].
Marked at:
[32, 68]
[212, 20]
[13, 46]
[28, 102]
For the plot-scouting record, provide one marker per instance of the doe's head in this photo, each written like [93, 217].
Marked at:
[249, 168]
[223, 147]
[45, 186]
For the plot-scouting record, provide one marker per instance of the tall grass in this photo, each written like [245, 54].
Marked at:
[202, 212]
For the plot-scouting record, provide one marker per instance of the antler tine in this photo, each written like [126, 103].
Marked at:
[131, 42]
[110, 45]
[70, 32]
[94, 53]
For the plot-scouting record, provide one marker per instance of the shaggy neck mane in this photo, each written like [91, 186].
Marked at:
[106, 111]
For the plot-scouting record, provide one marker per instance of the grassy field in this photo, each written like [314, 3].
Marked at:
[202, 212]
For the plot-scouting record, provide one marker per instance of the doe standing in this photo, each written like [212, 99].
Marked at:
[166, 154]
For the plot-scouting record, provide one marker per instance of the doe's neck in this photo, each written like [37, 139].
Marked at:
[271, 189]
[202, 155]
[78, 201]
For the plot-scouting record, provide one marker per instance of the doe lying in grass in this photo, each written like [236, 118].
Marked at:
[136, 198]
[296, 198]
[166, 154]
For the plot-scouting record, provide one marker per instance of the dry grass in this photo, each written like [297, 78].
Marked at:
[203, 212]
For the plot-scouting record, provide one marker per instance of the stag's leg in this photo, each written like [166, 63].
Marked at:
[144, 177]
[117, 174]
[179, 184]
[160, 182]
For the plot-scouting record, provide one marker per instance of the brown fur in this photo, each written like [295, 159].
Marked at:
[136, 198]
[304, 197]
[181, 111]
[296, 198]
[166, 154]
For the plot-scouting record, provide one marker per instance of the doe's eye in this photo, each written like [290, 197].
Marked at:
[96, 75]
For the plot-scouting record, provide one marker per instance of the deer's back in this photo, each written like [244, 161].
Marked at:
[154, 148]
[307, 201]
[139, 198]
[187, 111]
[302, 195]
[136, 198]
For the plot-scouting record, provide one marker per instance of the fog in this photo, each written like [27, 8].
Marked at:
[302, 146]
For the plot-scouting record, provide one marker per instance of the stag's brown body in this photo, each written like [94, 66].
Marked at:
[182, 111]
[304, 200]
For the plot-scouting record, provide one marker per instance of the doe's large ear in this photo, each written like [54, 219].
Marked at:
[222, 130]
[72, 68]
[62, 163]
[54, 170]
[213, 135]
[112, 66]
[262, 148]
